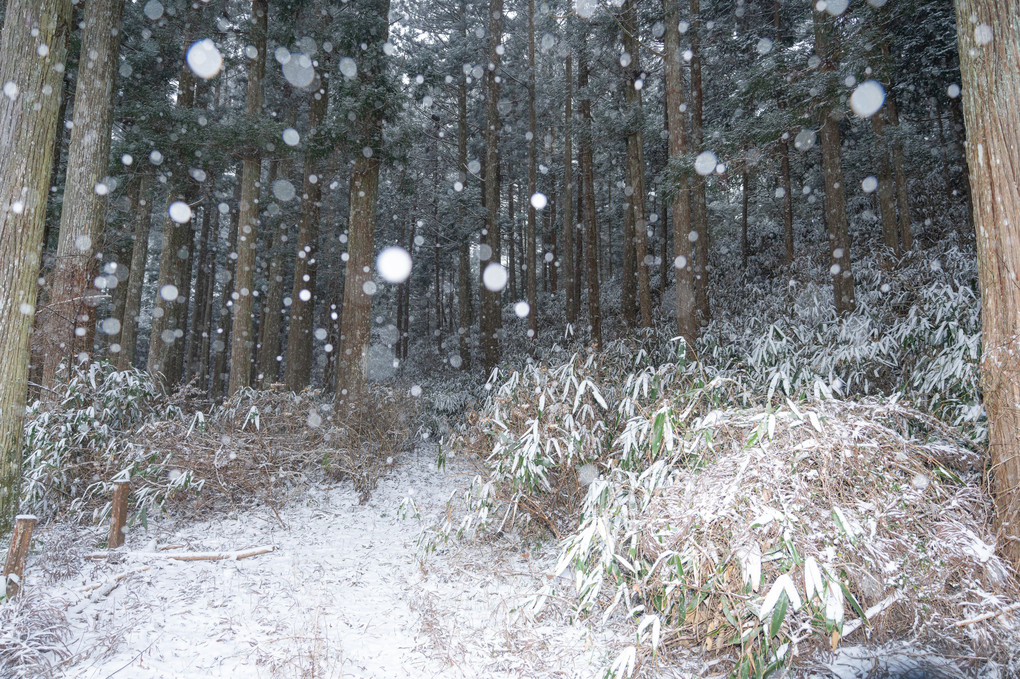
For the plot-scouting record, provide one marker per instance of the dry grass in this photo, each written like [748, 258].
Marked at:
[905, 526]
[262, 445]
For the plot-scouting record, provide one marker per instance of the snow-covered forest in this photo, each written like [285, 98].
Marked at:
[510, 338]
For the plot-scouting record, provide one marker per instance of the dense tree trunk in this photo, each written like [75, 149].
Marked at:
[835, 200]
[242, 335]
[221, 344]
[699, 207]
[784, 151]
[886, 190]
[28, 126]
[991, 104]
[745, 188]
[490, 299]
[569, 224]
[591, 249]
[686, 316]
[356, 319]
[201, 324]
[69, 321]
[637, 250]
[899, 170]
[136, 274]
[302, 299]
[267, 362]
[530, 254]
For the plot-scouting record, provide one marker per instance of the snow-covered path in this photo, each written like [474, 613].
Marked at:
[344, 594]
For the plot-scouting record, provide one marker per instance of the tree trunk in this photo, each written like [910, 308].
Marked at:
[745, 187]
[69, 321]
[530, 254]
[588, 205]
[267, 361]
[136, 275]
[699, 207]
[902, 188]
[221, 344]
[569, 224]
[356, 320]
[784, 150]
[201, 325]
[490, 302]
[686, 315]
[835, 200]
[638, 249]
[302, 310]
[990, 65]
[886, 190]
[242, 337]
[28, 126]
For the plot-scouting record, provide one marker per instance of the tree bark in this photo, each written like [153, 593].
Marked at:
[886, 191]
[636, 250]
[490, 302]
[136, 275]
[356, 320]
[591, 249]
[69, 320]
[990, 65]
[530, 254]
[784, 151]
[686, 314]
[298, 365]
[221, 344]
[569, 224]
[699, 207]
[835, 200]
[28, 126]
[242, 337]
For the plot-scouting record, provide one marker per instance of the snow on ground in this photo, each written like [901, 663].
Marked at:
[344, 594]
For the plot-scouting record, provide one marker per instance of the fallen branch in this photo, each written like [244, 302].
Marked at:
[119, 576]
[986, 616]
[188, 556]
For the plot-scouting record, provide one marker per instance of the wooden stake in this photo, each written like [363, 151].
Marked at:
[17, 553]
[118, 515]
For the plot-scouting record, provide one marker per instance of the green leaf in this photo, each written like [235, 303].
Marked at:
[778, 614]
[854, 604]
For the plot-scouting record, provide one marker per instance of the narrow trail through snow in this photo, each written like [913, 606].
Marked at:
[345, 594]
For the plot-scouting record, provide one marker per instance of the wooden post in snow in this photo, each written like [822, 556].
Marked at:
[118, 515]
[17, 553]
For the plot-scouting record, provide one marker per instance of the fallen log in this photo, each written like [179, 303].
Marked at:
[186, 556]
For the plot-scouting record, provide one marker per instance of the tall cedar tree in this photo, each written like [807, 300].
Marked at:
[990, 66]
[69, 319]
[28, 126]
[356, 319]
[242, 335]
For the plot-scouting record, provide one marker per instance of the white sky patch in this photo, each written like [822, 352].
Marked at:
[393, 264]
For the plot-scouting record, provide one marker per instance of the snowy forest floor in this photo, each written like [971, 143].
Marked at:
[344, 594]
